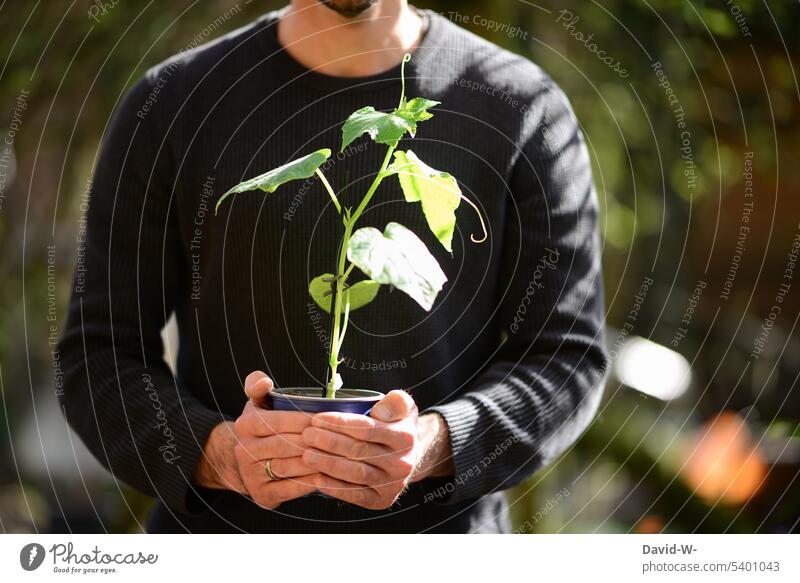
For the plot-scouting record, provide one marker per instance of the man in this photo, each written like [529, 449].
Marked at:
[498, 379]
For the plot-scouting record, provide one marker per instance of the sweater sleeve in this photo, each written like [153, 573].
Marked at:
[119, 394]
[544, 385]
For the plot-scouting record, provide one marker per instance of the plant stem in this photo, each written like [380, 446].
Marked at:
[345, 320]
[374, 186]
[343, 271]
[327, 186]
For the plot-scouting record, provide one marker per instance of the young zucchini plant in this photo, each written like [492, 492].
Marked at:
[396, 256]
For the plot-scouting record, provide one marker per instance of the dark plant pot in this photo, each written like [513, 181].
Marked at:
[308, 400]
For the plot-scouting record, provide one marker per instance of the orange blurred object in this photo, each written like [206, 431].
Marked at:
[650, 524]
[724, 463]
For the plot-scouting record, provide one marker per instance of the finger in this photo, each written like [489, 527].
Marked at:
[285, 445]
[394, 406]
[261, 423]
[365, 428]
[293, 467]
[254, 472]
[273, 493]
[256, 386]
[345, 446]
[359, 495]
[344, 469]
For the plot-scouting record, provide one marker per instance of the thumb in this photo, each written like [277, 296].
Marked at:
[256, 386]
[395, 406]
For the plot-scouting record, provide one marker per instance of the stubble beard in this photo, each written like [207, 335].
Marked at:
[349, 8]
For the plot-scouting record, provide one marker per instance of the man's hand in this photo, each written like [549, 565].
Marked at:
[218, 468]
[256, 436]
[368, 461]
[271, 435]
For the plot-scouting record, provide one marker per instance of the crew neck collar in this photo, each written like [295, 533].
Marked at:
[278, 56]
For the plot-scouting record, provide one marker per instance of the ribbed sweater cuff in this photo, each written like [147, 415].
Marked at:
[463, 419]
[175, 488]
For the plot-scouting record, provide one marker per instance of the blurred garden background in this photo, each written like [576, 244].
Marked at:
[691, 111]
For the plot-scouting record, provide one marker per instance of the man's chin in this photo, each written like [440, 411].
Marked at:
[349, 8]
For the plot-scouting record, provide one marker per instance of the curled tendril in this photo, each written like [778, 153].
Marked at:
[480, 218]
[406, 59]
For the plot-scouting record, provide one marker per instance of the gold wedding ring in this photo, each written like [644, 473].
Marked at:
[268, 470]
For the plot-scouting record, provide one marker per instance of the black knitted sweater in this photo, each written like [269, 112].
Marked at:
[512, 354]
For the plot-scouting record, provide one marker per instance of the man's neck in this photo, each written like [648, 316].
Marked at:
[329, 43]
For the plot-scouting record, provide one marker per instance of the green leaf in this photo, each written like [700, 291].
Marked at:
[384, 128]
[438, 192]
[399, 258]
[269, 181]
[387, 128]
[359, 294]
[417, 109]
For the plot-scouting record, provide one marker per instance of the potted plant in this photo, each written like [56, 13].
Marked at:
[395, 257]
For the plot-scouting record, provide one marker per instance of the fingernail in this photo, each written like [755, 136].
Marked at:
[381, 412]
